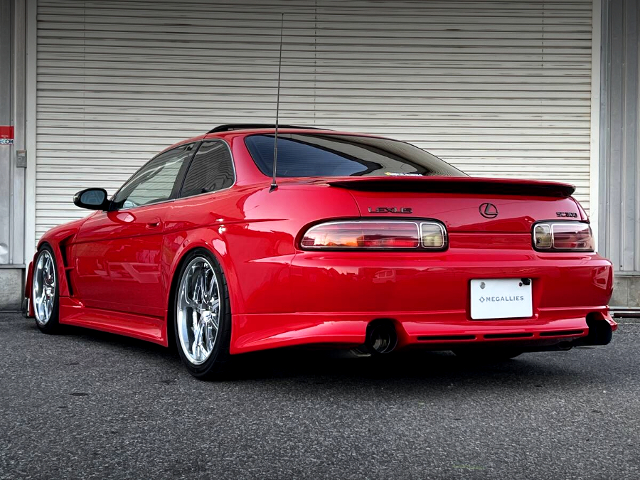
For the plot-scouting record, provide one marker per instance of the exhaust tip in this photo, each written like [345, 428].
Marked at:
[381, 337]
[600, 332]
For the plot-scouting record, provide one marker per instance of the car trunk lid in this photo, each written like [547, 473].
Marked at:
[463, 204]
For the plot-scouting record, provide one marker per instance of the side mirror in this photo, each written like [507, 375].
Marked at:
[92, 198]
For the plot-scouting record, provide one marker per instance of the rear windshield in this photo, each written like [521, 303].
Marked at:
[322, 155]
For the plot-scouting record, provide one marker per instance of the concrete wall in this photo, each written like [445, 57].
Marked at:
[626, 292]
[11, 282]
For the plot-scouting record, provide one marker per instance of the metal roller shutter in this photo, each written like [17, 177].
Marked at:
[498, 88]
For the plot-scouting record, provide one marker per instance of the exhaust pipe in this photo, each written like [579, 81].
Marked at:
[381, 337]
[600, 332]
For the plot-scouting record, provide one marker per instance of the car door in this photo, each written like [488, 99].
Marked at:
[118, 253]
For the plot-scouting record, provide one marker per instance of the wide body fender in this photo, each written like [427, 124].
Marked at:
[58, 238]
[257, 280]
[252, 233]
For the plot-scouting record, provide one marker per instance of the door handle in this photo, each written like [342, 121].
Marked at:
[155, 223]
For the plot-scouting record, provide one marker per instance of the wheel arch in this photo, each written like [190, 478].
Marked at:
[56, 249]
[58, 239]
[177, 265]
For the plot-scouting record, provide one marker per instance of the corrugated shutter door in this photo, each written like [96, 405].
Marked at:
[498, 88]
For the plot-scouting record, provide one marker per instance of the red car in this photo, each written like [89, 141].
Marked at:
[360, 241]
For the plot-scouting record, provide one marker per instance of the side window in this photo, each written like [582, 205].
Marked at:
[155, 181]
[210, 170]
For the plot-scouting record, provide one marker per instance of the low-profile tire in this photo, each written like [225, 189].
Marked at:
[202, 316]
[45, 291]
[487, 354]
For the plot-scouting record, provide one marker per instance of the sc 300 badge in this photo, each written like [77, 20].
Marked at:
[567, 214]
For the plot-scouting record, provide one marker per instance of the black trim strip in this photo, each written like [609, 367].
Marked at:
[250, 126]
[431, 338]
[508, 335]
[562, 333]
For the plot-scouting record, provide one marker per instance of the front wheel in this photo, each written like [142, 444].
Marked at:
[45, 291]
[202, 315]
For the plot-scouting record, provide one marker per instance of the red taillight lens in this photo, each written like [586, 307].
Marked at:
[373, 235]
[572, 236]
[567, 236]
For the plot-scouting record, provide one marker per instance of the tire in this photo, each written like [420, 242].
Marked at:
[204, 353]
[487, 354]
[45, 291]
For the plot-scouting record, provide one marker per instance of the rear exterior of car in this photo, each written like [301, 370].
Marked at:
[362, 241]
[431, 294]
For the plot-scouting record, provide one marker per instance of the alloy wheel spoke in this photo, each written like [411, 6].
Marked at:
[201, 282]
[184, 296]
[197, 335]
[212, 285]
[214, 304]
[45, 267]
[210, 337]
[215, 321]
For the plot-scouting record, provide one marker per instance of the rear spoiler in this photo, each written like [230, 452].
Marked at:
[471, 185]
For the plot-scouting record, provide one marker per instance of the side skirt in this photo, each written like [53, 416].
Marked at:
[151, 329]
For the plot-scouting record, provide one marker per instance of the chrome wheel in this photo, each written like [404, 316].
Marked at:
[44, 287]
[198, 310]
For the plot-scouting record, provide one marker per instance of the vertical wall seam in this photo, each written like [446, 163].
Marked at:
[594, 163]
[31, 90]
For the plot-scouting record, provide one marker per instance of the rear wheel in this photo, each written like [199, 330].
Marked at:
[45, 291]
[202, 315]
[487, 354]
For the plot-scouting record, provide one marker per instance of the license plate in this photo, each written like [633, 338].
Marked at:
[501, 298]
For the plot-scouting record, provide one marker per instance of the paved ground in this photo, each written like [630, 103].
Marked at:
[91, 405]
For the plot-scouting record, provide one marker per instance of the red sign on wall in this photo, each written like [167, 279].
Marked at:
[6, 135]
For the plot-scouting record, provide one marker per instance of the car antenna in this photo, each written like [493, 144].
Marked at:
[274, 185]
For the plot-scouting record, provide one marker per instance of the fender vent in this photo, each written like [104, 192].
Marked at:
[67, 269]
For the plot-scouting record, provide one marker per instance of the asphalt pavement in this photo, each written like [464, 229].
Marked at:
[89, 405]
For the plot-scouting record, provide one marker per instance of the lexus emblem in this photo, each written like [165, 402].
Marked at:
[488, 210]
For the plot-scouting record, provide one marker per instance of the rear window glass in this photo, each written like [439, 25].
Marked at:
[314, 155]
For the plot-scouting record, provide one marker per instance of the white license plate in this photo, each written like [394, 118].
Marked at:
[501, 298]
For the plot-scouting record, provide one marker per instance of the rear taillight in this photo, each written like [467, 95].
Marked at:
[563, 236]
[375, 235]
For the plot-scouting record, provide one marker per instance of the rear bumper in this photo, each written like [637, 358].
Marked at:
[335, 295]
[434, 330]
